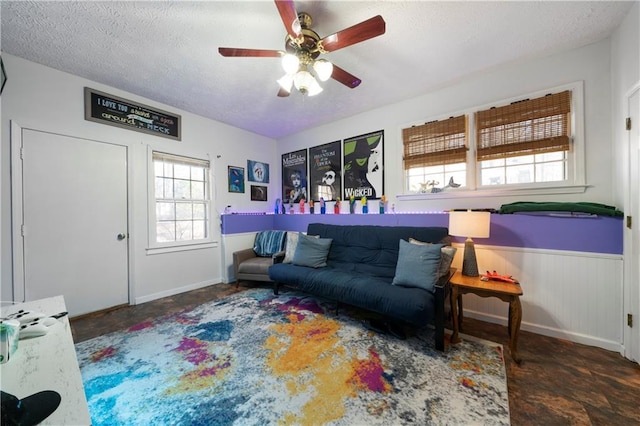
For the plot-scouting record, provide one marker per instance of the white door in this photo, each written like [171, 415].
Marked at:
[74, 209]
[632, 249]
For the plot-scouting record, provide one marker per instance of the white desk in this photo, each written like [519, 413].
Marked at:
[48, 362]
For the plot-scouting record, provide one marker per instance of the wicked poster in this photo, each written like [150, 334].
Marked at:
[325, 173]
[363, 166]
[294, 176]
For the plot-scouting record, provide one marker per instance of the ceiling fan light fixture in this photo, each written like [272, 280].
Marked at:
[314, 89]
[303, 80]
[323, 69]
[286, 82]
[290, 63]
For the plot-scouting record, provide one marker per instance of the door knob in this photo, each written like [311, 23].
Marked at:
[121, 236]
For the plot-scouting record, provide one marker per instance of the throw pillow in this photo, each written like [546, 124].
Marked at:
[312, 251]
[417, 265]
[269, 242]
[292, 244]
[448, 253]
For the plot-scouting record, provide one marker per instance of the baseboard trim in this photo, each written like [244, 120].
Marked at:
[550, 332]
[174, 291]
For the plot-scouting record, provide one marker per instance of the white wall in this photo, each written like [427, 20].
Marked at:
[45, 99]
[590, 64]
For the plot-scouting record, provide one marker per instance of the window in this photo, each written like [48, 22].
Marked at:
[435, 154]
[525, 144]
[181, 200]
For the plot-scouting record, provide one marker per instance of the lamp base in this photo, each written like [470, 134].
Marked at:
[469, 262]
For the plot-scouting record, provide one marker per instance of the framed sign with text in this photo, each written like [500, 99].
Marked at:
[108, 109]
[363, 166]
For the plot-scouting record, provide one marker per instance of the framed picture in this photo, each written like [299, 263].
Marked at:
[258, 193]
[236, 179]
[294, 176]
[363, 166]
[325, 171]
[257, 171]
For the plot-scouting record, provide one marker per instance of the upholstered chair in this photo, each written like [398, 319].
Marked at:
[253, 264]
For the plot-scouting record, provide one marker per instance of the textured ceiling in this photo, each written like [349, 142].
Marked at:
[167, 51]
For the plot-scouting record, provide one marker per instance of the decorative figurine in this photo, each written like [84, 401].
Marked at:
[352, 204]
[311, 207]
[302, 206]
[382, 204]
[365, 206]
[276, 208]
[323, 209]
[291, 196]
[336, 206]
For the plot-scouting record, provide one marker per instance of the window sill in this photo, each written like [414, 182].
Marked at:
[183, 247]
[490, 192]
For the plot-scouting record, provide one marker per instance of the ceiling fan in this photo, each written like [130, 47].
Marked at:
[303, 46]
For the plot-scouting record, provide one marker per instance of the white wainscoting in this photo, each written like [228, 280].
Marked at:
[575, 296]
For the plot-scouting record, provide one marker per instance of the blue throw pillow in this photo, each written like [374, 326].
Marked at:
[312, 251]
[269, 242]
[417, 265]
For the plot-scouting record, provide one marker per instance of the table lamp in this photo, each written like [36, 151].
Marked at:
[469, 224]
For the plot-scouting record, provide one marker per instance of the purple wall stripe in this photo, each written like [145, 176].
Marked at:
[595, 234]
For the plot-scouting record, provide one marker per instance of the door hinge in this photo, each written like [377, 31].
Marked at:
[630, 320]
[21, 153]
[22, 230]
[629, 221]
[628, 123]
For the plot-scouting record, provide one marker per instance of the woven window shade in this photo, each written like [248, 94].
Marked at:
[533, 126]
[436, 143]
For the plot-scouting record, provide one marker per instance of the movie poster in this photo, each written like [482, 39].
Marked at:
[363, 166]
[325, 171]
[294, 176]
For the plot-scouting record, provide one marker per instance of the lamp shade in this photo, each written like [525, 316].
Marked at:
[286, 82]
[323, 68]
[469, 224]
[290, 63]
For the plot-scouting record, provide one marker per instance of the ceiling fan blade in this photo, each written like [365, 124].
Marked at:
[349, 80]
[289, 16]
[231, 51]
[282, 93]
[360, 32]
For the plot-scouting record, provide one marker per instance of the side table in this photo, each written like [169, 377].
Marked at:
[507, 292]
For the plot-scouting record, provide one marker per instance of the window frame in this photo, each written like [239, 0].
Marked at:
[576, 172]
[155, 247]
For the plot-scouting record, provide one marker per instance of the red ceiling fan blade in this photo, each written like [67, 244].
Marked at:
[349, 80]
[231, 51]
[360, 32]
[282, 93]
[289, 17]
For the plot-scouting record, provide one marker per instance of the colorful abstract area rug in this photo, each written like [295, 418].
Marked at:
[260, 359]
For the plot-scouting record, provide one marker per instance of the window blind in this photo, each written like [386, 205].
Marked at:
[531, 126]
[177, 159]
[435, 143]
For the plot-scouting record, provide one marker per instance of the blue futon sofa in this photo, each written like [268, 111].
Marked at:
[360, 269]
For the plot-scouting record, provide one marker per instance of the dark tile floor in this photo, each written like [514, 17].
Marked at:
[558, 382]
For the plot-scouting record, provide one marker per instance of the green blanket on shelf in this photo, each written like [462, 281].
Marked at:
[592, 208]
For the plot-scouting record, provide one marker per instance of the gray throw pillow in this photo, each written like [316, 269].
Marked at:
[312, 251]
[292, 244]
[448, 253]
[417, 265]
